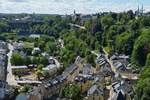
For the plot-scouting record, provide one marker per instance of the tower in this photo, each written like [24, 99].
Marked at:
[142, 10]
[138, 11]
[74, 12]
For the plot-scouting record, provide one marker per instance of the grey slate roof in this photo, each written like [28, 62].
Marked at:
[95, 90]
[70, 69]
[87, 69]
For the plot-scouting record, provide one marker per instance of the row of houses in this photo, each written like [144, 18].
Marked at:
[3, 60]
[50, 87]
[103, 66]
[5, 89]
[120, 89]
[120, 61]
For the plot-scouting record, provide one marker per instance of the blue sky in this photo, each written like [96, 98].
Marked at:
[68, 6]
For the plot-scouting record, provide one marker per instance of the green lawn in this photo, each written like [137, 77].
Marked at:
[28, 45]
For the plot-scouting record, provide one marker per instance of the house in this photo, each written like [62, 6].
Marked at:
[87, 69]
[34, 36]
[53, 66]
[119, 66]
[99, 80]
[2, 89]
[51, 60]
[117, 56]
[6, 92]
[35, 94]
[70, 70]
[3, 45]
[51, 69]
[119, 96]
[3, 51]
[2, 72]
[36, 51]
[106, 70]
[95, 93]
[79, 60]
[79, 79]
[61, 78]
[120, 57]
[3, 60]
[121, 90]
[17, 46]
[20, 70]
[86, 72]
[100, 61]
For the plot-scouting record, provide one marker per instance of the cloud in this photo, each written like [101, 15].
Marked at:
[68, 6]
[17, 0]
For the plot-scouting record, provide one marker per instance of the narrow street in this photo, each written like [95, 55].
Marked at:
[111, 65]
[123, 74]
[10, 77]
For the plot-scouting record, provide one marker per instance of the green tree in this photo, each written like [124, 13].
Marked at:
[142, 88]
[39, 71]
[25, 88]
[71, 91]
[35, 60]
[17, 60]
[141, 48]
[44, 61]
[27, 61]
[91, 59]
[148, 60]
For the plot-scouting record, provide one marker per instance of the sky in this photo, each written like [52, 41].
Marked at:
[68, 6]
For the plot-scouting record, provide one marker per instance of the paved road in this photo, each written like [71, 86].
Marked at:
[111, 65]
[10, 77]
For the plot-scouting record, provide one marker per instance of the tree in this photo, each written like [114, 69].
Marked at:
[99, 35]
[71, 91]
[40, 67]
[17, 60]
[141, 48]
[91, 59]
[124, 43]
[27, 61]
[107, 21]
[26, 88]
[35, 60]
[39, 71]
[148, 60]
[44, 61]
[142, 88]
[51, 47]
